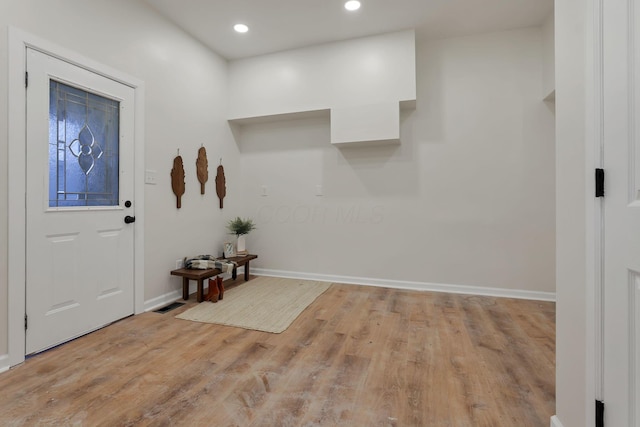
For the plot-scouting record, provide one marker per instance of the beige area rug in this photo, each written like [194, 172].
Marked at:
[268, 304]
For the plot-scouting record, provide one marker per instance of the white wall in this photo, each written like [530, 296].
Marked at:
[363, 71]
[362, 81]
[3, 184]
[548, 62]
[467, 198]
[185, 107]
[571, 278]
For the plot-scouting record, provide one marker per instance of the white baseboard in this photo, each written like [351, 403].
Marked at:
[415, 286]
[4, 363]
[173, 296]
[555, 421]
[162, 300]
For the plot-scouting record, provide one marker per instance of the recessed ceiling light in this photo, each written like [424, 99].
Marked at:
[241, 28]
[352, 5]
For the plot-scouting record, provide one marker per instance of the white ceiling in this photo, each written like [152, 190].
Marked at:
[285, 24]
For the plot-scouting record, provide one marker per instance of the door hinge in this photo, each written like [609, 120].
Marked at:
[26, 323]
[26, 79]
[599, 182]
[599, 413]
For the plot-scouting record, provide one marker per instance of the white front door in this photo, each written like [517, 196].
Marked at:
[621, 158]
[80, 182]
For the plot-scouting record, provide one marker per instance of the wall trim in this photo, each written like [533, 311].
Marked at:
[408, 285]
[555, 421]
[18, 41]
[162, 300]
[4, 363]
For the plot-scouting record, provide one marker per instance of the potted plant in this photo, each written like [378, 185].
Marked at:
[241, 227]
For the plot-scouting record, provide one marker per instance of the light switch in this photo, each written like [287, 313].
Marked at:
[150, 177]
[319, 190]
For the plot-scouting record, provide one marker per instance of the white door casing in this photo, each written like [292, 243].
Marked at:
[18, 42]
[79, 259]
[621, 159]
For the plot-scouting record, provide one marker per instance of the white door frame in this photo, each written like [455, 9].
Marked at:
[594, 209]
[591, 384]
[18, 43]
[594, 87]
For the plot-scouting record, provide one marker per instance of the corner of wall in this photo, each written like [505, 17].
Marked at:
[548, 57]
[4, 363]
[4, 187]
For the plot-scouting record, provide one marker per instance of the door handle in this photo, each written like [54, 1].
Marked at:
[129, 219]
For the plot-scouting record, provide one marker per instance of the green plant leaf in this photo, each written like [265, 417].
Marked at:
[239, 226]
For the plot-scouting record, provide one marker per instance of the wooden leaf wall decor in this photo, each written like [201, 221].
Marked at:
[221, 188]
[177, 180]
[202, 166]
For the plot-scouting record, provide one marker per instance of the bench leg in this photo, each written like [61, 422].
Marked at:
[185, 288]
[200, 290]
[234, 273]
[246, 271]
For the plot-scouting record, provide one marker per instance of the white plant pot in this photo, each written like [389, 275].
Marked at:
[242, 243]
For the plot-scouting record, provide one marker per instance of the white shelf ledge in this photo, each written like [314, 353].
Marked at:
[267, 118]
[354, 126]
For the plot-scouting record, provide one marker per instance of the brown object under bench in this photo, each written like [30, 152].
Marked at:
[200, 275]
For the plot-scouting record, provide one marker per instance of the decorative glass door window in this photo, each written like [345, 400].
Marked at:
[83, 148]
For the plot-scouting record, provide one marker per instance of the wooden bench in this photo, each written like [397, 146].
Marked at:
[200, 275]
[240, 261]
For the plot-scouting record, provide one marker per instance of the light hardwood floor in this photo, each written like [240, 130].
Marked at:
[358, 356]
